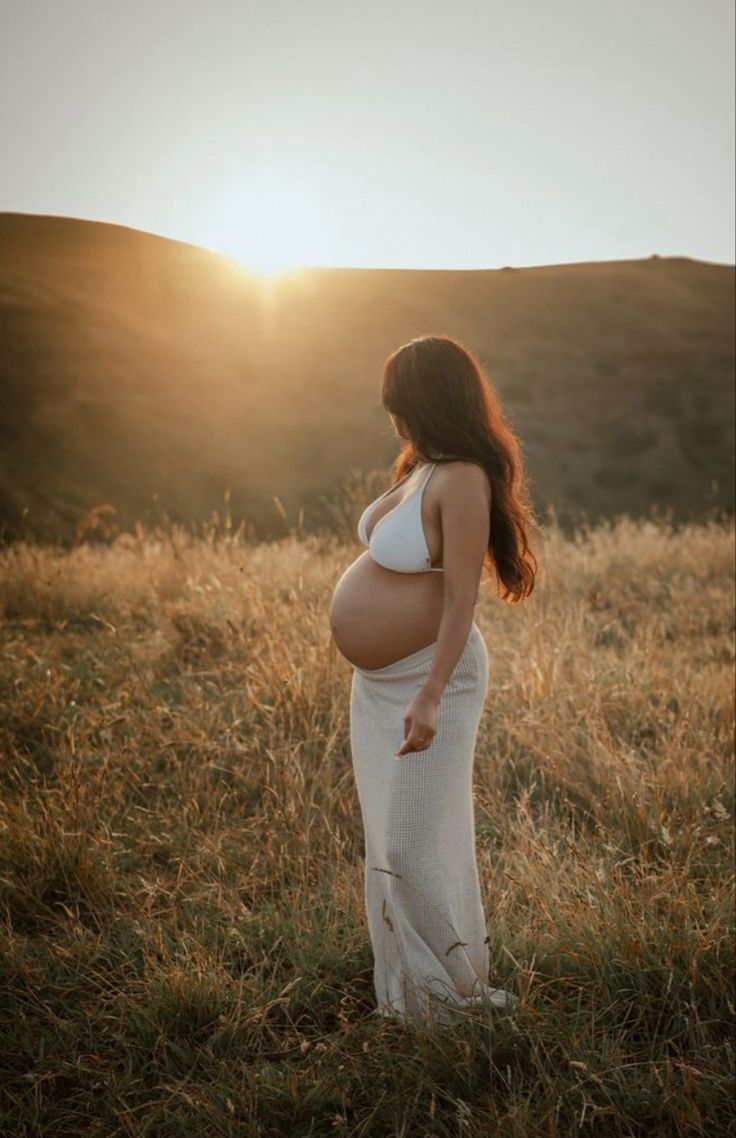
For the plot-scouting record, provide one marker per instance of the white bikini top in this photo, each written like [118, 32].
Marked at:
[397, 539]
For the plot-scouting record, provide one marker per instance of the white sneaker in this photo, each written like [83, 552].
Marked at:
[498, 998]
[506, 1001]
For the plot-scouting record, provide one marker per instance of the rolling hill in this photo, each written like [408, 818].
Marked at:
[140, 373]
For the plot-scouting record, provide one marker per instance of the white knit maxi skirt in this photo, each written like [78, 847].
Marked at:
[422, 892]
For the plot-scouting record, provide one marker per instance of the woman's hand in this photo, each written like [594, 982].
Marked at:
[420, 724]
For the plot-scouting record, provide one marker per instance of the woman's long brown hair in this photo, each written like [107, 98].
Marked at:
[440, 390]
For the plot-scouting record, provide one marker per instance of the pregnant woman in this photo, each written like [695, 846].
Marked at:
[403, 614]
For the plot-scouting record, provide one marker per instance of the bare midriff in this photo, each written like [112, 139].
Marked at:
[377, 615]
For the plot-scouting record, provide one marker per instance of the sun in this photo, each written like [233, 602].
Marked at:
[268, 268]
[264, 256]
[271, 219]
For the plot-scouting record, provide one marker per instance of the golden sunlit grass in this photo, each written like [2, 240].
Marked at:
[184, 947]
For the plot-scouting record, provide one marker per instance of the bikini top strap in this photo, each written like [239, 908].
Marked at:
[432, 466]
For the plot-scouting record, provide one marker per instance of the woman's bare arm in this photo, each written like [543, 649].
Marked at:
[465, 504]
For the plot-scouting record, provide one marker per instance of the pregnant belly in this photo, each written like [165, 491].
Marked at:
[378, 616]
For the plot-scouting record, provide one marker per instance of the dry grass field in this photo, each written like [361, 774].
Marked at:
[184, 950]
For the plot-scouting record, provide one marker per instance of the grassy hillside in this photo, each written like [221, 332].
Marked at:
[182, 934]
[140, 374]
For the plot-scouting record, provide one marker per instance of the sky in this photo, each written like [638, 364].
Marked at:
[454, 134]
